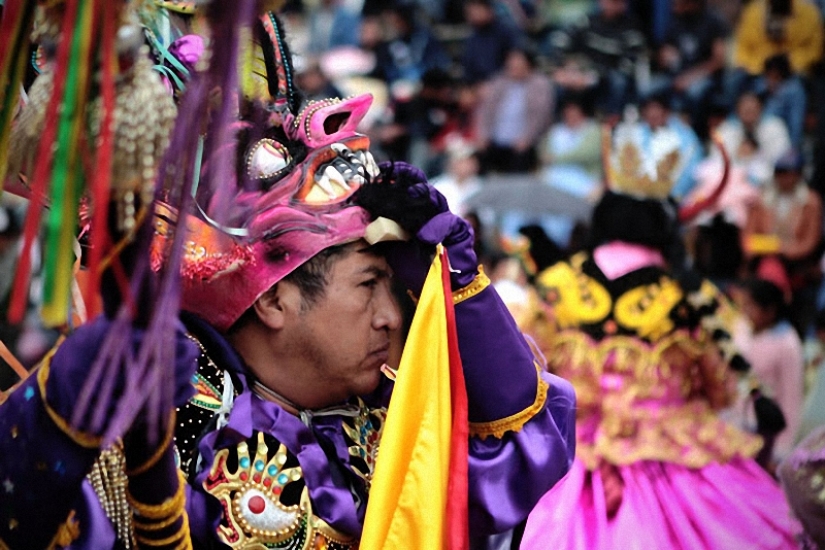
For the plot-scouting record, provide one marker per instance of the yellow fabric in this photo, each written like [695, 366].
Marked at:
[762, 244]
[409, 489]
[802, 43]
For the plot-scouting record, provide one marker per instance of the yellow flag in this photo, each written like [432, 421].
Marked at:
[409, 489]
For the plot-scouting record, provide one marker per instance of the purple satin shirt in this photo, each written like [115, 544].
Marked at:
[42, 471]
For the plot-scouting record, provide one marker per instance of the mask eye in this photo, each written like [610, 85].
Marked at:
[266, 159]
[262, 513]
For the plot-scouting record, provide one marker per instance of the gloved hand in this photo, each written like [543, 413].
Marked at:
[403, 195]
[72, 364]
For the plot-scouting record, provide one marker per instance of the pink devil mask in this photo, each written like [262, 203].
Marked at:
[298, 210]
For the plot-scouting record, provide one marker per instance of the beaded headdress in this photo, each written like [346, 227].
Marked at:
[645, 166]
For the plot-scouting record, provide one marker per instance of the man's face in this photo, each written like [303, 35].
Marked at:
[610, 9]
[655, 114]
[786, 180]
[749, 110]
[478, 15]
[686, 7]
[344, 336]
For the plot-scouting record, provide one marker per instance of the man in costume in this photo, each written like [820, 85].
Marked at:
[644, 343]
[286, 322]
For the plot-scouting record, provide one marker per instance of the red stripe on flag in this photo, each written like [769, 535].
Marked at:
[457, 531]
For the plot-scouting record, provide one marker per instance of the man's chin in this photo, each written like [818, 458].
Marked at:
[369, 383]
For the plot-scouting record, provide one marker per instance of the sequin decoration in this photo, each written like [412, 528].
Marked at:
[265, 501]
[364, 431]
[196, 415]
[109, 481]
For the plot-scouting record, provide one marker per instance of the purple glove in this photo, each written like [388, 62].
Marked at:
[73, 361]
[404, 196]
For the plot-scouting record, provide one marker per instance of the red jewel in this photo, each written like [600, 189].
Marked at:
[244, 476]
[267, 482]
[256, 504]
[277, 489]
[256, 478]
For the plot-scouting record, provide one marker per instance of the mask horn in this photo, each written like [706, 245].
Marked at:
[690, 211]
[278, 63]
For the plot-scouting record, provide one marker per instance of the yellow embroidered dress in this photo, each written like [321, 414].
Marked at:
[650, 362]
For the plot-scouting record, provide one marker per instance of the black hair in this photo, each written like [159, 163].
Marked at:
[312, 276]
[767, 295]
[649, 222]
[779, 63]
[544, 250]
[760, 97]
[583, 100]
[528, 53]
[662, 97]
[436, 78]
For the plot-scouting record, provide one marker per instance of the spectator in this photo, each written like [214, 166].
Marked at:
[462, 123]
[770, 27]
[609, 43]
[514, 114]
[461, 179]
[813, 412]
[751, 126]
[657, 118]
[573, 150]
[409, 52]
[774, 350]
[787, 221]
[489, 41]
[692, 58]
[331, 25]
[417, 121]
[559, 15]
[786, 97]
[314, 84]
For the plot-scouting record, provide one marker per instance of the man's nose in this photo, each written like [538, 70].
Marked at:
[387, 313]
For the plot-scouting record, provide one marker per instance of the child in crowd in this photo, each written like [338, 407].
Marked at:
[774, 350]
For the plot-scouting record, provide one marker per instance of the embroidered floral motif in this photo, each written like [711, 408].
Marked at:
[365, 433]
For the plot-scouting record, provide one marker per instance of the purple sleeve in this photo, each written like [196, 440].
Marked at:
[41, 470]
[510, 473]
[499, 367]
[508, 476]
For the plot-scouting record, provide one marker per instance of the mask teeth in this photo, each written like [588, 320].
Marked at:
[325, 184]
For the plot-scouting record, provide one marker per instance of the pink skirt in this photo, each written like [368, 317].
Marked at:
[666, 506]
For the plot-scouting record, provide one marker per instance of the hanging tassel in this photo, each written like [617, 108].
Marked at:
[40, 178]
[67, 172]
[18, 17]
[100, 185]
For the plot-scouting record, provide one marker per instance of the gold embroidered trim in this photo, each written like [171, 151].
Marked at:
[85, 440]
[68, 532]
[181, 536]
[159, 452]
[168, 507]
[480, 282]
[514, 422]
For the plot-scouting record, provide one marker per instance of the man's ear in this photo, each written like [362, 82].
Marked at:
[272, 305]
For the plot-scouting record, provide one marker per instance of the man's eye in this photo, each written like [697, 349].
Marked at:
[371, 283]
